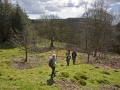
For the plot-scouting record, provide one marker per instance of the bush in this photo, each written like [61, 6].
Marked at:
[40, 72]
[102, 81]
[116, 71]
[96, 67]
[65, 74]
[72, 79]
[106, 72]
[84, 77]
[82, 82]
[61, 65]
[117, 85]
[92, 81]
[79, 76]
[76, 77]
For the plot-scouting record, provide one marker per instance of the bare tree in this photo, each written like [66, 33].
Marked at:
[49, 27]
[97, 28]
[116, 23]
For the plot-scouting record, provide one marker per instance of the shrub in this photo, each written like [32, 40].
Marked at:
[79, 76]
[40, 72]
[82, 82]
[14, 77]
[61, 65]
[76, 77]
[96, 67]
[106, 72]
[116, 71]
[84, 77]
[72, 79]
[102, 81]
[117, 85]
[65, 74]
[11, 78]
[92, 81]
[63, 78]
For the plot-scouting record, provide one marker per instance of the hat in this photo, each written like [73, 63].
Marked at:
[54, 55]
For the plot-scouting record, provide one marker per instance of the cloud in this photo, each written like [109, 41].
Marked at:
[115, 8]
[39, 6]
[114, 1]
[73, 3]
[52, 7]
[43, 0]
[70, 4]
[64, 8]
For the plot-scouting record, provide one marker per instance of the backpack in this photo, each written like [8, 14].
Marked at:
[68, 57]
[50, 62]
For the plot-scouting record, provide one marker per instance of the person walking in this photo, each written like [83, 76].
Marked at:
[74, 54]
[68, 57]
[52, 64]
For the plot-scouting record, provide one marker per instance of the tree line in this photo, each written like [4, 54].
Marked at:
[15, 26]
[94, 32]
[12, 20]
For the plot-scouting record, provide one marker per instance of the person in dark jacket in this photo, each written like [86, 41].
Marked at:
[68, 57]
[53, 63]
[74, 54]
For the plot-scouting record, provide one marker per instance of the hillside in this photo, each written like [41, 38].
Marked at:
[35, 74]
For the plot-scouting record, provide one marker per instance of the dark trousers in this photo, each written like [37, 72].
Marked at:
[74, 59]
[68, 61]
[53, 72]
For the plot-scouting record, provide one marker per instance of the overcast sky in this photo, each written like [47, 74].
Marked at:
[62, 8]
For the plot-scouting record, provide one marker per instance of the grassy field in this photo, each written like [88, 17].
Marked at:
[81, 76]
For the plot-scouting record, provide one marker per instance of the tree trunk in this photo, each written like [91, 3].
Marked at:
[95, 53]
[26, 54]
[88, 57]
[52, 41]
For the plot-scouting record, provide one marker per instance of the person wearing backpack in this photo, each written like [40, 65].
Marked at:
[52, 63]
[68, 57]
[74, 54]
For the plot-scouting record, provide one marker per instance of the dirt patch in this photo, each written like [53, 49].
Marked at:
[108, 63]
[32, 62]
[67, 85]
[109, 88]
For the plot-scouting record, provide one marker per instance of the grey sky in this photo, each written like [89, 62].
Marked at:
[63, 8]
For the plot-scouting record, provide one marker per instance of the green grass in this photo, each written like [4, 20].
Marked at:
[7, 54]
[46, 43]
[38, 78]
